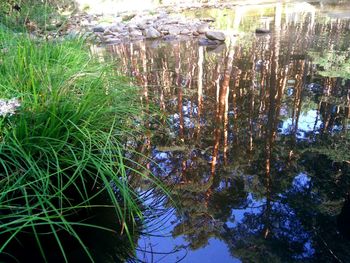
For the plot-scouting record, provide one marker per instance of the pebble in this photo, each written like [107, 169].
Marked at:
[203, 28]
[100, 29]
[152, 26]
[215, 35]
[152, 33]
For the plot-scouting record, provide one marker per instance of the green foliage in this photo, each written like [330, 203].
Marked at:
[64, 147]
[21, 15]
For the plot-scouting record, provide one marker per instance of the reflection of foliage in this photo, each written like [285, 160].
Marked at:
[223, 17]
[335, 147]
[333, 64]
[252, 201]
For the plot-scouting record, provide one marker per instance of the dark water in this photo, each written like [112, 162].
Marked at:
[255, 140]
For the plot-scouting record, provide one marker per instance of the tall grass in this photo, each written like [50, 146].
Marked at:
[40, 15]
[64, 147]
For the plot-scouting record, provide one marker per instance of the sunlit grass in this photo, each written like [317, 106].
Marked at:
[65, 145]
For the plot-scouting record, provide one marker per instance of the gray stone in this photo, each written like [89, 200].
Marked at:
[128, 17]
[165, 32]
[162, 15]
[174, 30]
[152, 33]
[185, 31]
[171, 21]
[117, 28]
[108, 32]
[136, 34]
[100, 29]
[132, 27]
[142, 26]
[203, 28]
[215, 35]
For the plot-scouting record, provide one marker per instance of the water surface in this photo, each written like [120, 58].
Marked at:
[255, 140]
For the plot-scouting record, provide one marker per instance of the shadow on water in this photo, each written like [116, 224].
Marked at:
[98, 228]
[255, 146]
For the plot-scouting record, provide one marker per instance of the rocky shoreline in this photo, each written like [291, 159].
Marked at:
[145, 25]
[164, 24]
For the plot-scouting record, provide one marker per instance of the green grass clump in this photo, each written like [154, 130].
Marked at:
[64, 146]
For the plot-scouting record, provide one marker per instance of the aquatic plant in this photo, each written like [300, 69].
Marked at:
[64, 148]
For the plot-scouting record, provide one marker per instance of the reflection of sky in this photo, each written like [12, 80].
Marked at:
[162, 247]
[188, 109]
[216, 251]
[238, 214]
[306, 124]
[301, 181]
[286, 225]
[162, 164]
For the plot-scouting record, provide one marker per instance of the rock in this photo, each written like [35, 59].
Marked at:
[128, 17]
[142, 26]
[195, 33]
[136, 34]
[152, 33]
[108, 32]
[174, 31]
[99, 29]
[132, 27]
[203, 28]
[164, 32]
[117, 28]
[215, 35]
[185, 32]
[162, 15]
[262, 31]
[172, 21]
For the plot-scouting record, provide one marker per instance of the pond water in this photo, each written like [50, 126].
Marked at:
[254, 143]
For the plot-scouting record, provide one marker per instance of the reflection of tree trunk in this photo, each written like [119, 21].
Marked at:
[179, 90]
[236, 79]
[221, 106]
[300, 80]
[200, 89]
[252, 103]
[262, 94]
[144, 82]
[181, 115]
[276, 84]
[226, 124]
